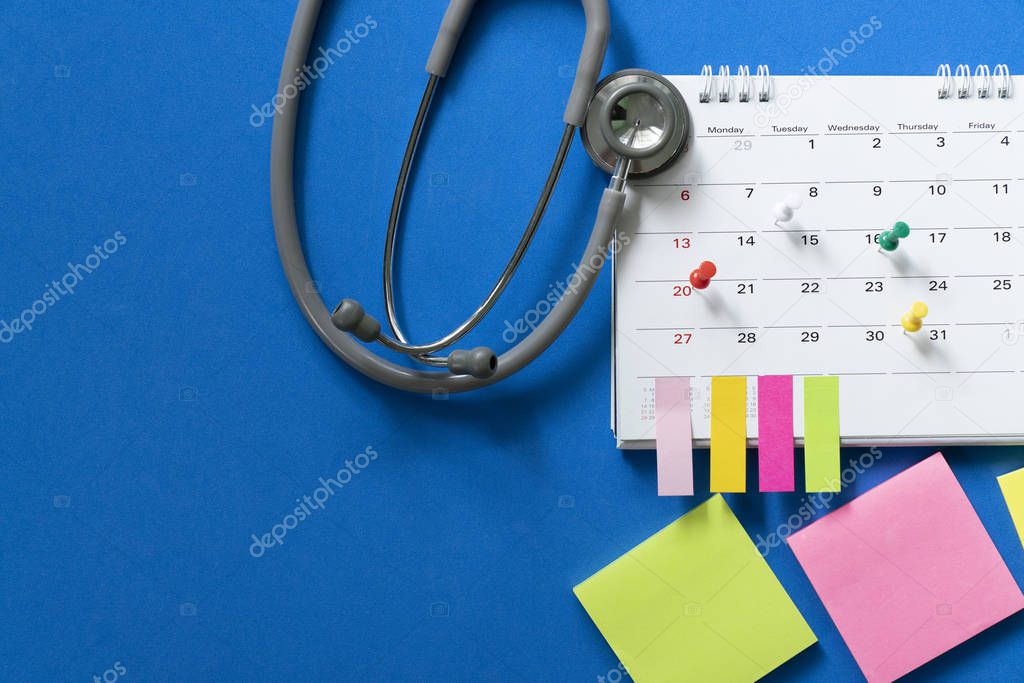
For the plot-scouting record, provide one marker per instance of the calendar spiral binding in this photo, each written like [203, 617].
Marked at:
[963, 84]
[745, 85]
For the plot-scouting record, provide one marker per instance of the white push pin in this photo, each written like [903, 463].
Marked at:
[784, 210]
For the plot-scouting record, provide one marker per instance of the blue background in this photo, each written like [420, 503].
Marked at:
[178, 403]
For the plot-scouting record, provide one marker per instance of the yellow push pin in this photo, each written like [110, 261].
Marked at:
[913, 320]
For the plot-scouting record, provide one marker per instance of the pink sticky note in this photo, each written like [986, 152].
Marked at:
[674, 436]
[907, 571]
[775, 432]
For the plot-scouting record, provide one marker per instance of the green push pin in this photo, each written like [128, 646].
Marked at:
[890, 239]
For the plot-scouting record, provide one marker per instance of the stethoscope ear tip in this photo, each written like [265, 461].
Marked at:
[480, 362]
[350, 316]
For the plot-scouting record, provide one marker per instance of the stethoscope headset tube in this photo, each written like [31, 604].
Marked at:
[349, 324]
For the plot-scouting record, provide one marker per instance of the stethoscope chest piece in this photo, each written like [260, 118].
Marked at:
[636, 116]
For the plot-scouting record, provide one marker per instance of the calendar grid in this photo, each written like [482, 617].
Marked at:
[817, 294]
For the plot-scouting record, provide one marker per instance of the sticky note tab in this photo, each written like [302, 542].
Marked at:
[695, 602]
[775, 433]
[821, 433]
[674, 435]
[1012, 485]
[907, 571]
[729, 434]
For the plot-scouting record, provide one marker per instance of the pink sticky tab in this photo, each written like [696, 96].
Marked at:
[674, 436]
[775, 432]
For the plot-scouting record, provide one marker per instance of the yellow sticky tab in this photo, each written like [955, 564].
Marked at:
[729, 434]
[1012, 485]
[821, 434]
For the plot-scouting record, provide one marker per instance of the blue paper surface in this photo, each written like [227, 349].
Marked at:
[162, 424]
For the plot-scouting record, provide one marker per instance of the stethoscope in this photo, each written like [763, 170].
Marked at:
[633, 124]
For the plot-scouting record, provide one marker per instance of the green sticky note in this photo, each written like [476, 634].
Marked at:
[821, 434]
[1012, 485]
[695, 602]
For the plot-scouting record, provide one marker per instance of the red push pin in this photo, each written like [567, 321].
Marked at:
[701, 277]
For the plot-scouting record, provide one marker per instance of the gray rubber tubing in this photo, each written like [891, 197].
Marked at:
[286, 230]
[595, 44]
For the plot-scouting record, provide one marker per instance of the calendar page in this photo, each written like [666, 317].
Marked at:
[817, 295]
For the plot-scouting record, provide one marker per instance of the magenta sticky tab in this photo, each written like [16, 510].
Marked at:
[775, 432]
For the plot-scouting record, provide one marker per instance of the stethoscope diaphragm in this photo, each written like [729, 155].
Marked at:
[637, 116]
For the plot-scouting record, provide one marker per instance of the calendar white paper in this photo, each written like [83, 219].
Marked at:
[817, 295]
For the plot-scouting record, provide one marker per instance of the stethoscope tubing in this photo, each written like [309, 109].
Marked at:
[288, 235]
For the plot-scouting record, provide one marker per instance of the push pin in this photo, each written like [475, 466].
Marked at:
[785, 210]
[913, 320]
[890, 239]
[701, 277]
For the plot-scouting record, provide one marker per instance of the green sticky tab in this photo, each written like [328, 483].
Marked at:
[821, 434]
